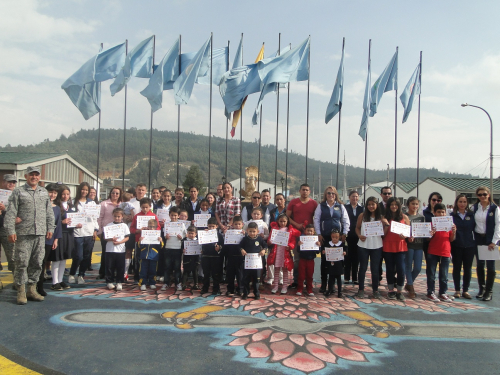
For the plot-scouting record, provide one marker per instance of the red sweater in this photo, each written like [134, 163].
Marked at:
[133, 226]
[440, 244]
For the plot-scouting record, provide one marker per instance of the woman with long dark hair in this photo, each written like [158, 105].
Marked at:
[351, 261]
[227, 207]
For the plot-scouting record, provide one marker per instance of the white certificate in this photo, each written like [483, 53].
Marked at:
[233, 236]
[142, 221]
[280, 237]
[253, 261]
[372, 228]
[485, 254]
[400, 228]
[207, 236]
[260, 224]
[150, 237]
[200, 220]
[309, 243]
[192, 247]
[442, 223]
[162, 214]
[334, 254]
[419, 230]
[111, 231]
[186, 223]
[174, 228]
[92, 210]
[4, 196]
[76, 218]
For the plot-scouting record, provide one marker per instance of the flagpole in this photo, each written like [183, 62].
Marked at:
[227, 121]
[210, 118]
[395, 134]
[99, 139]
[418, 136]
[307, 119]
[366, 132]
[287, 129]
[124, 124]
[338, 141]
[260, 143]
[179, 120]
[241, 128]
[277, 122]
[151, 128]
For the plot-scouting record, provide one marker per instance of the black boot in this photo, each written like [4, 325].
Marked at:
[39, 289]
[323, 285]
[490, 280]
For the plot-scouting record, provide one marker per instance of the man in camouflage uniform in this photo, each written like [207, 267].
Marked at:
[31, 203]
[9, 183]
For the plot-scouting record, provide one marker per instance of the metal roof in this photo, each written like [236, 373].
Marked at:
[407, 186]
[462, 184]
[13, 157]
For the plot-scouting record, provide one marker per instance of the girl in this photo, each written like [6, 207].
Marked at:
[84, 236]
[369, 247]
[59, 255]
[165, 203]
[464, 246]
[395, 248]
[335, 269]
[53, 243]
[281, 256]
[210, 197]
[414, 256]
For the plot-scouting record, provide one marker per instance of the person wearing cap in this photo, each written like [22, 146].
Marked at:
[8, 183]
[31, 203]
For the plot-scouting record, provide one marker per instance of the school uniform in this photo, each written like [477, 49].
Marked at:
[252, 246]
[234, 267]
[190, 265]
[211, 265]
[115, 257]
[335, 270]
[149, 254]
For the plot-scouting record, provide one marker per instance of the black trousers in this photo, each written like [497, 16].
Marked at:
[331, 283]
[102, 267]
[115, 262]
[249, 275]
[351, 261]
[462, 257]
[190, 265]
[234, 269]
[212, 267]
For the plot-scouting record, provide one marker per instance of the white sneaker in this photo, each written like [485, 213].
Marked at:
[161, 279]
[81, 280]
[118, 287]
[298, 294]
[143, 287]
[179, 286]
[311, 294]
[111, 286]
[274, 290]
[164, 287]
[71, 279]
[153, 287]
[284, 290]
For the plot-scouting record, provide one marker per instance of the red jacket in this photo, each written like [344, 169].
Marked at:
[133, 226]
[292, 239]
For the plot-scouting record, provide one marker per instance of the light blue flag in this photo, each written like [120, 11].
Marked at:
[387, 81]
[292, 66]
[366, 105]
[109, 62]
[237, 84]
[219, 67]
[338, 93]
[138, 63]
[411, 91]
[238, 58]
[163, 77]
[183, 85]
[270, 87]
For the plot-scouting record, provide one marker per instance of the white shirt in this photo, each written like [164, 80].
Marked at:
[112, 248]
[344, 217]
[88, 229]
[372, 242]
[480, 216]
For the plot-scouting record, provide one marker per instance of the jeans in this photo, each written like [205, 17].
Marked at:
[81, 255]
[444, 264]
[395, 261]
[375, 256]
[462, 257]
[413, 261]
[173, 259]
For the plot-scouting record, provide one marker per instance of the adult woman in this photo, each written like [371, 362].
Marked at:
[351, 261]
[84, 236]
[369, 247]
[464, 246]
[93, 195]
[486, 233]
[210, 197]
[279, 201]
[329, 214]
[394, 249]
[106, 217]
[227, 207]
[428, 212]
[246, 213]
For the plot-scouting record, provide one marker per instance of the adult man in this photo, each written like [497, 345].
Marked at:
[31, 203]
[8, 183]
[140, 192]
[301, 212]
[220, 192]
[192, 204]
[266, 204]
[385, 193]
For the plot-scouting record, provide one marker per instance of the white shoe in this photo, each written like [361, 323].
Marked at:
[118, 287]
[153, 287]
[161, 279]
[274, 290]
[298, 294]
[71, 279]
[143, 287]
[311, 294]
[111, 286]
[164, 287]
[81, 280]
[179, 286]
[284, 290]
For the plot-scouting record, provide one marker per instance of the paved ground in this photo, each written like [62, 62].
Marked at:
[90, 330]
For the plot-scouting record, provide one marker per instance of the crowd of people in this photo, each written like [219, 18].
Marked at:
[243, 246]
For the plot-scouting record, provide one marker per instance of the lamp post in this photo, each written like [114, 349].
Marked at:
[491, 145]
[282, 182]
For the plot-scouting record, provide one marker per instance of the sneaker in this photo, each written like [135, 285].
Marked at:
[125, 277]
[196, 287]
[64, 285]
[152, 287]
[81, 280]
[66, 272]
[274, 290]
[432, 297]
[244, 296]
[111, 286]
[376, 294]
[72, 279]
[164, 287]
[360, 294]
[284, 290]
[143, 287]
[118, 287]
[400, 296]
[391, 295]
[161, 279]
[445, 298]
[298, 293]
[56, 287]
[311, 294]
[294, 286]
[179, 286]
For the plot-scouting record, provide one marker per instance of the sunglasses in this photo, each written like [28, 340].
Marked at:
[482, 195]
[386, 193]
[436, 200]
[330, 193]
[255, 197]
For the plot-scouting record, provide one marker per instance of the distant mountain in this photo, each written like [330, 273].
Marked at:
[82, 146]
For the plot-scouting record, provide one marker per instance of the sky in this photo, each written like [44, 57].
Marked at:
[43, 42]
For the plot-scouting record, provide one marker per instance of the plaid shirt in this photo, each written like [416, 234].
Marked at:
[227, 211]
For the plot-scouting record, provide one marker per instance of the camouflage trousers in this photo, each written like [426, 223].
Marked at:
[28, 259]
[9, 251]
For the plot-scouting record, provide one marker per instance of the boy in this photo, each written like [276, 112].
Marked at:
[210, 261]
[235, 261]
[306, 264]
[128, 210]
[257, 214]
[252, 243]
[439, 251]
[149, 254]
[173, 252]
[190, 262]
[335, 269]
[115, 252]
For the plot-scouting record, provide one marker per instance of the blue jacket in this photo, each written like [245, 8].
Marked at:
[490, 221]
[428, 214]
[328, 221]
[465, 230]
[150, 252]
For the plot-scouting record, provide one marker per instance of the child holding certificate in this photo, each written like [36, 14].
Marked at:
[306, 264]
[257, 218]
[173, 251]
[335, 269]
[413, 258]
[210, 261]
[235, 261]
[204, 210]
[190, 262]
[115, 252]
[281, 256]
[149, 254]
[252, 243]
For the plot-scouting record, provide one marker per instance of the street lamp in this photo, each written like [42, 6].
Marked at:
[223, 179]
[282, 182]
[491, 144]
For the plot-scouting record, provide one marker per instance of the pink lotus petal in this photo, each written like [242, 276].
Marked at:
[279, 308]
[331, 338]
[297, 339]
[258, 350]
[290, 308]
[281, 350]
[348, 354]
[239, 341]
[352, 338]
[269, 313]
[280, 302]
[245, 332]
[313, 316]
[326, 315]
[303, 317]
[360, 348]
[278, 336]
[293, 316]
[294, 302]
[171, 298]
[304, 362]
[321, 352]
[286, 312]
[280, 315]
[262, 335]
[298, 312]
[316, 339]
[317, 307]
